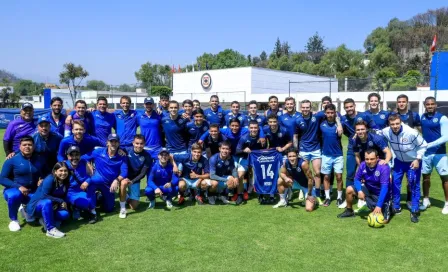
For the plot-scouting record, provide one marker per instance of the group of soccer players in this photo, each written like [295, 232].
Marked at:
[60, 166]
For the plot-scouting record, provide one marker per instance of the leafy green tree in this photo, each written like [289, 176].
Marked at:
[28, 87]
[315, 48]
[159, 90]
[384, 79]
[206, 58]
[73, 75]
[126, 88]
[382, 57]
[153, 75]
[97, 85]
[339, 61]
[263, 56]
[378, 37]
[229, 59]
[278, 48]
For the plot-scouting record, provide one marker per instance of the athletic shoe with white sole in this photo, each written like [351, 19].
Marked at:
[122, 214]
[362, 209]
[361, 203]
[301, 196]
[425, 205]
[339, 202]
[55, 233]
[445, 209]
[289, 194]
[212, 200]
[24, 214]
[14, 225]
[343, 205]
[224, 200]
[282, 203]
[152, 204]
[169, 204]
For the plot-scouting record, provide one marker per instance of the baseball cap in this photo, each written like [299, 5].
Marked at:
[149, 100]
[42, 120]
[27, 105]
[164, 150]
[113, 136]
[73, 148]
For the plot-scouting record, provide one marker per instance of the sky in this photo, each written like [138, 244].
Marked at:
[112, 39]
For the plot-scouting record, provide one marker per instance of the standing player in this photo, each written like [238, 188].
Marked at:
[435, 132]
[151, 126]
[273, 107]
[371, 185]
[174, 128]
[235, 113]
[212, 142]
[127, 122]
[369, 140]
[332, 156]
[196, 104]
[162, 109]
[292, 120]
[215, 114]
[57, 119]
[103, 120]
[196, 128]
[79, 138]
[409, 148]
[253, 115]
[277, 136]
[19, 128]
[295, 173]
[407, 116]
[187, 109]
[80, 113]
[46, 142]
[378, 115]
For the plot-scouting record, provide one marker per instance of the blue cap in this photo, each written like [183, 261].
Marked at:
[73, 148]
[149, 100]
[113, 136]
[27, 105]
[164, 150]
[43, 119]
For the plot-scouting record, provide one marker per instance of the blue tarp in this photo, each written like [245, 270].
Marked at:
[7, 115]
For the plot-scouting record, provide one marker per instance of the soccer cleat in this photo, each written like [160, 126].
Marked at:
[445, 209]
[245, 195]
[339, 202]
[347, 213]
[409, 205]
[122, 214]
[326, 202]
[425, 205]
[76, 214]
[282, 203]
[319, 201]
[271, 200]
[396, 211]
[301, 196]
[289, 194]
[212, 200]
[361, 203]
[234, 197]
[250, 189]
[93, 218]
[152, 204]
[261, 200]
[55, 233]
[169, 204]
[362, 209]
[14, 225]
[24, 214]
[414, 217]
[199, 199]
[343, 204]
[181, 200]
[224, 200]
[239, 199]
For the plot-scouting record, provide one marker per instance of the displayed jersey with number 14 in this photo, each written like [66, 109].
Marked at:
[266, 167]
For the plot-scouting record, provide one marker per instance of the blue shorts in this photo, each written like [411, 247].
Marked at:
[330, 162]
[191, 183]
[134, 191]
[242, 163]
[439, 161]
[311, 155]
[297, 186]
[222, 185]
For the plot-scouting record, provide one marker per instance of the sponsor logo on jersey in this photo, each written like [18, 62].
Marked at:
[262, 159]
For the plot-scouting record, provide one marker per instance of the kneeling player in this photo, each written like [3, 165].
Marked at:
[372, 183]
[296, 171]
[223, 174]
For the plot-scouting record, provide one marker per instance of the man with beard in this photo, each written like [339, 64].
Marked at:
[79, 138]
[369, 140]
[127, 122]
[56, 118]
[215, 114]
[81, 114]
[19, 128]
[151, 128]
[273, 107]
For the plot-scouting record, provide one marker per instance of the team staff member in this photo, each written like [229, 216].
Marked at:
[368, 140]
[48, 202]
[19, 128]
[435, 132]
[253, 115]
[295, 173]
[409, 148]
[371, 185]
[212, 141]
[378, 115]
[56, 118]
[174, 128]
[235, 113]
[19, 176]
[127, 122]
[80, 113]
[111, 169]
[215, 114]
[151, 128]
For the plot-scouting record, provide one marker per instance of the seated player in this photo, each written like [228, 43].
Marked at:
[79, 138]
[223, 173]
[19, 176]
[372, 182]
[48, 202]
[162, 181]
[246, 144]
[194, 170]
[139, 165]
[295, 173]
[211, 143]
[368, 140]
[79, 180]
[111, 169]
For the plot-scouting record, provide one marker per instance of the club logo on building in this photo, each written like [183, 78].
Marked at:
[377, 173]
[435, 120]
[206, 81]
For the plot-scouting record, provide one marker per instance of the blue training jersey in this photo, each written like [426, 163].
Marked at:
[59, 126]
[160, 175]
[310, 137]
[277, 139]
[199, 167]
[78, 176]
[213, 144]
[410, 118]
[220, 168]
[48, 148]
[374, 141]
[86, 145]
[107, 168]
[247, 141]
[136, 163]
[175, 135]
[127, 124]
[215, 117]
[348, 124]
[261, 120]
[195, 132]
[331, 141]
[296, 172]
[150, 128]
[103, 123]
[380, 118]
[243, 119]
[266, 165]
[20, 171]
[432, 130]
[292, 123]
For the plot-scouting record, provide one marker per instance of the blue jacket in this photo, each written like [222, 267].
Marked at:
[20, 171]
[47, 190]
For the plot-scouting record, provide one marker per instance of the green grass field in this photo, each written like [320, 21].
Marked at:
[229, 238]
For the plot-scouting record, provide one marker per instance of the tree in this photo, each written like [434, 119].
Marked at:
[263, 56]
[206, 58]
[315, 48]
[28, 87]
[378, 37]
[229, 59]
[97, 85]
[73, 75]
[382, 57]
[7, 97]
[256, 61]
[249, 59]
[278, 48]
[339, 61]
[126, 88]
[159, 90]
[285, 49]
[153, 75]
[384, 79]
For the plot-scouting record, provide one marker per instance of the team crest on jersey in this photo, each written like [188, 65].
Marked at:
[181, 121]
[405, 140]
[280, 134]
[132, 114]
[377, 173]
[286, 119]
[142, 158]
[370, 143]
[200, 165]
[359, 119]
[435, 120]
[226, 163]
[240, 118]
[298, 169]
[204, 128]
[382, 116]
[219, 114]
[167, 121]
[259, 120]
[313, 119]
[119, 116]
[279, 113]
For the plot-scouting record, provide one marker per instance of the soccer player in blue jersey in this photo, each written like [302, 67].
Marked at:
[174, 128]
[196, 104]
[223, 173]
[150, 123]
[46, 142]
[212, 142]
[409, 148]
[111, 169]
[435, 132]
[127, 122]
[19, 176]
[273, 107]
[292, 121]
[81, 114]
[162, 109]
[215, 114]
[277, 136]
[332, 156]
[254, 116]
[378, 115]
[57, 119]
[407, 116]
[371, 185]
[79, 138]
[196, 128]
[295, 173]
[235, 113]
[365, 139]
[103, 120]
[194, 170]
[348, 123]
[18, 128]
[187, 110]
[162, 181]
[139, 165]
